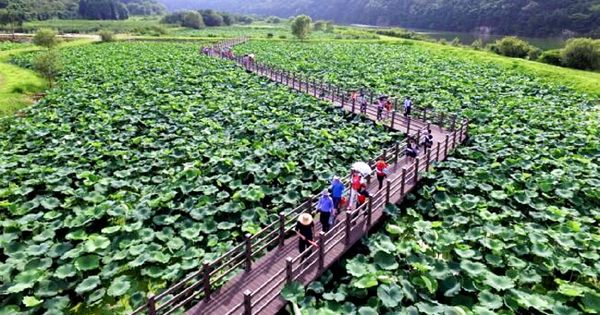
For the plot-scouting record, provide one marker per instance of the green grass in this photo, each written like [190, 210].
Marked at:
[582, 81]
[16, 87]
[132, 25]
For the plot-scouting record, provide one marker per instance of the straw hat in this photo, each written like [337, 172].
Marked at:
[305, 219]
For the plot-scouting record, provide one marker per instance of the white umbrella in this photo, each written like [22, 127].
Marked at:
[362, 168]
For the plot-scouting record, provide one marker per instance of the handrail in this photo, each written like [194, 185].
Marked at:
[213, 272]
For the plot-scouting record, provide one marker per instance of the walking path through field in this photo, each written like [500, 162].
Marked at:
[270, 258]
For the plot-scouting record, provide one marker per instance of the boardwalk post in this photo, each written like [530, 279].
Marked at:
[393, 119]
[293, 80]
[315, 88]
[453, 125]
[403, 183]
[437, 152]
[348, 226]
[371, 98]
[307, 86]
[384, 155]
[247, 237]
[330, 91]
[396, 152]
[369, 213]
[387, 191]
[446, 146]
[441, 120]
[343, 101]
[281, 228]
[289, 276]
[206, 280]
[338, 90]
[151, 305]
[321, 250]
[417, 170]
[408, 125]
[353, 105]
[428, 160]
[247, 302]
[418, 136]
[454, 139]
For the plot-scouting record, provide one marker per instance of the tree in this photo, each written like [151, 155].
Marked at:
[12, 13]
[582, 53]
[512, 47]
[49, 65]
[45, 38]
[301, 26]
[106, 36]
[193, 19]
[211, 18]
[103, 10]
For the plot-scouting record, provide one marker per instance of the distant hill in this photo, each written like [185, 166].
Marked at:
[521, 17]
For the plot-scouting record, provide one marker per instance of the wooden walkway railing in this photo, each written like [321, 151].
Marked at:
[219, 284]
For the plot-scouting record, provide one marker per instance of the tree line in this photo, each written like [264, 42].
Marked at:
[204, 18]
[16, 12]
[518, 17]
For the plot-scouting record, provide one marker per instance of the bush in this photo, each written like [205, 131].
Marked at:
[269, 35]
[512, 46]
[45, 38]
[282, 36]
[212, 18]
[455, 42]
[48, 64]
[106, 36]
[301, 26]
[193, 20]
[551, 57]
[477, 44]
[159, 30]
[534, 53]
[273, 20]
[582, 53]
[443, 41]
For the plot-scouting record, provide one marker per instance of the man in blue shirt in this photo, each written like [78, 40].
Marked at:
[325, 208]
[337, 191]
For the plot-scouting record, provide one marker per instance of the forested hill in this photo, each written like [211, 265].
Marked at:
[522, 17]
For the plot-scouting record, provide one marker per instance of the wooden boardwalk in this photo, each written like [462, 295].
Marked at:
[251, 275]
[258, 290]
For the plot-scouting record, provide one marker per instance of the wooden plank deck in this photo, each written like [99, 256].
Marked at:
[268, 274]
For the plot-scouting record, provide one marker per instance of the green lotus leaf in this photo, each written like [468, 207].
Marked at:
[96, 296]
[88, 262]
[473, 268]
[499, 283]
[356, 267]
[31, 301]
[499, 195]
[50, 202]
[385, 261]
[366, 281]
[390, 295]
[367, 310]
[591, 302]
[87, 284]
[119, 286]
[490, 300]
[96, 242]
[293, 292]
[65, 271]
[564, 193]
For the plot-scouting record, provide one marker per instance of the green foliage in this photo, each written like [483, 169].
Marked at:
[478, 44]
[502, 225]
[301, 26]
[455, 42]
[45, 38]
[212, 18]
[511, 46]
[49, 65]
[144, 7]
[106, 36]
[164, 165]
[193, 20]
[582, 53]
[552, 57]
[103, 10]
[273, 20]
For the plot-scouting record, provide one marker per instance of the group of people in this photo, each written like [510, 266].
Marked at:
[412, 146]
[384, 104]
[332, 200]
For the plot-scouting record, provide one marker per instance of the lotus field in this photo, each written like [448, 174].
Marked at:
[147, 160]
[509, 225]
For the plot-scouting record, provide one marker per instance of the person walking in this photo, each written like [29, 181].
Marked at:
[427, 141]
[381, 167]
[325, 207]
[389, 106]
[380, 107]
[305, 230]
[407, 106]
[337, 192]
[355, 179]
[411, 152]
[362, 100]
[363, 194]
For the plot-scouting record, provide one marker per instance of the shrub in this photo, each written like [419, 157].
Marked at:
[477, 44]
[512, 46]
[301, 26]
[551, 57]
[45, 38]
[212, 18]
[160, 30]
[193, 20]
[534, 53]
[282, 36]
[48, 64]
[443, 41]
[269, 35]
[273, 20]
[582, 53]
[106, 36]
[455, 42]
